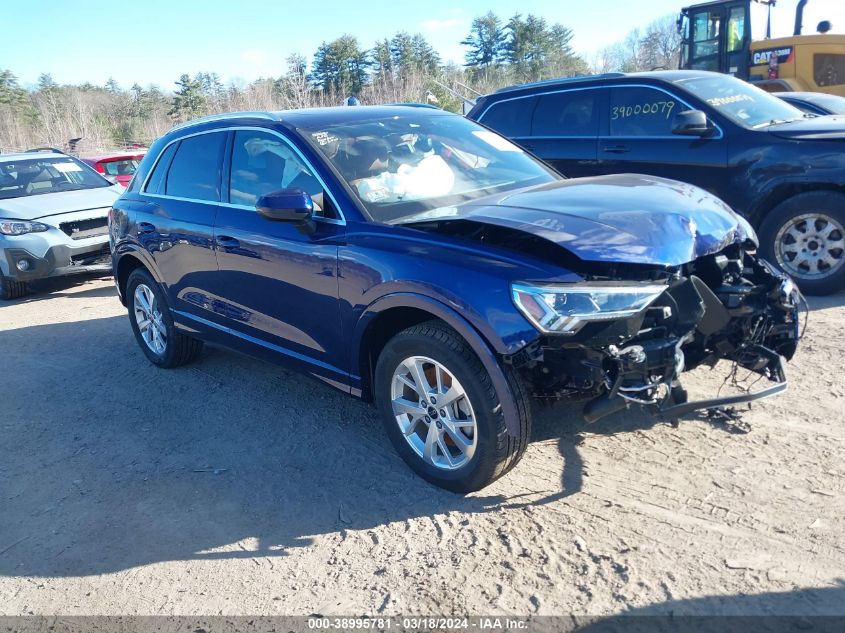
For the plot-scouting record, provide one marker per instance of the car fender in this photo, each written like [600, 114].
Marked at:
[136, 251]
[479, 345]
[781, 189]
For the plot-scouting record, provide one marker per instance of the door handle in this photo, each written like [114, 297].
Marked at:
[224, 241]
[146, 227]
[616, 149]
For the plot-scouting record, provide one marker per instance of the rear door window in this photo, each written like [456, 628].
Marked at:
[157, 178]
[570, 113]
[195, 170]
[641, 111]
[511, 118]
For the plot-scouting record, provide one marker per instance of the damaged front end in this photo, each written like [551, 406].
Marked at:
[627, 342]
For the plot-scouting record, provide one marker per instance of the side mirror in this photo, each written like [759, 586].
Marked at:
[691, 123]
[286, 205]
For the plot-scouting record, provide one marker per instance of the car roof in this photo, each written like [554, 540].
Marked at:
[809, 96]
[671, 76]
[18, 156]
[315, 117]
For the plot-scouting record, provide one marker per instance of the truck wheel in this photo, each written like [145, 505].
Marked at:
[441, 411]
[805, 237]
[10, 289]
[152, 323]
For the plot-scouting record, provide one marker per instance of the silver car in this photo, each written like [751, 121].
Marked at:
[53, 218]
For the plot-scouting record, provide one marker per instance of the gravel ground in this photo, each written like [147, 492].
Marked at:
[235, 487]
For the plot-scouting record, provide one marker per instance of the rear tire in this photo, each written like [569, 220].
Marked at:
[152, 323]
[472, 432]
[10, 289]
[804, 237]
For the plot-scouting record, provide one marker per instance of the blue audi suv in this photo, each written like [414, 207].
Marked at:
[413, 258]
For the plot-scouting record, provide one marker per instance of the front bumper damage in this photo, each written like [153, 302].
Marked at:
[727, 307]
[75, 242]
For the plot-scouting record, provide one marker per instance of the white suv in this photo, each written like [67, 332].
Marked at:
[53, 218]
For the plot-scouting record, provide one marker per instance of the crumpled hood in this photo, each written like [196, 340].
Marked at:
[621, 218]
[47, 204]
[823, 128]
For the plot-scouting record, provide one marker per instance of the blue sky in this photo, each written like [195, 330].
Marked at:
[154, 41]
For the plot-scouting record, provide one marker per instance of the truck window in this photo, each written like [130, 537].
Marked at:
[828, 69]
[570, 113]
[639, 111]
[736, 29]
[706, 26]
[511, 118]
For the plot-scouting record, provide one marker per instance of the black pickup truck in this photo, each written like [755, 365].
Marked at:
[781, 168]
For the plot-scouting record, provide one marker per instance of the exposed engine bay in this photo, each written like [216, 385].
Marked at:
[730, 306]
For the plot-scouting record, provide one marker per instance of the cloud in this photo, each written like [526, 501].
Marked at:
[442, 25]
[253, 56]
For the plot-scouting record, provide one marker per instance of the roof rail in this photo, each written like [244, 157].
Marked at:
[46, 148]
[224, 116]
[561, 80]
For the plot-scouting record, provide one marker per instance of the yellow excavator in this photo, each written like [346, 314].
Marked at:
[717, 36]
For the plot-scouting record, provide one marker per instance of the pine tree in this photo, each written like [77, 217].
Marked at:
[486, 42]
[11, 94]
[188, 101]
[425, 57]
[341, 66]
[561, 58]
[46, 83]
[382, 60]
[402, 53]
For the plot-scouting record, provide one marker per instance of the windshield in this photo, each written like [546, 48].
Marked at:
[122, 167]
[831, 103]
[741, 102]
[46, 174]
[403, 166]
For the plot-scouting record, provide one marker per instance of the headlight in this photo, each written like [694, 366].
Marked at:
[19, 227]
[564, 309]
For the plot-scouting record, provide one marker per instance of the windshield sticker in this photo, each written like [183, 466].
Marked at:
[376, 195]
[720, 101]
[496, 141]
[324, 138]
[66, 167]
[642, 109]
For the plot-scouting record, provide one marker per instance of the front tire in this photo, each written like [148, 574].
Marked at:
[805, 237]
[11, 289]
[441, 411]
[153, 326]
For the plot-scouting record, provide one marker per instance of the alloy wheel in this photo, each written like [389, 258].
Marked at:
[434, 413]
[811, 246]
[149, 319]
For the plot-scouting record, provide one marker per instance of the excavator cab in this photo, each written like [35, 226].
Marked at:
[716, 36]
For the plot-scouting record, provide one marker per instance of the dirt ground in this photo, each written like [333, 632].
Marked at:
[234, 487]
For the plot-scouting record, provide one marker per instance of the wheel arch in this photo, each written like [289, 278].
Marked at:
[126, 262]
[783, 192]
[391, 314]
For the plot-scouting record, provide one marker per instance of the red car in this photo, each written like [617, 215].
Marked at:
[118, 167]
